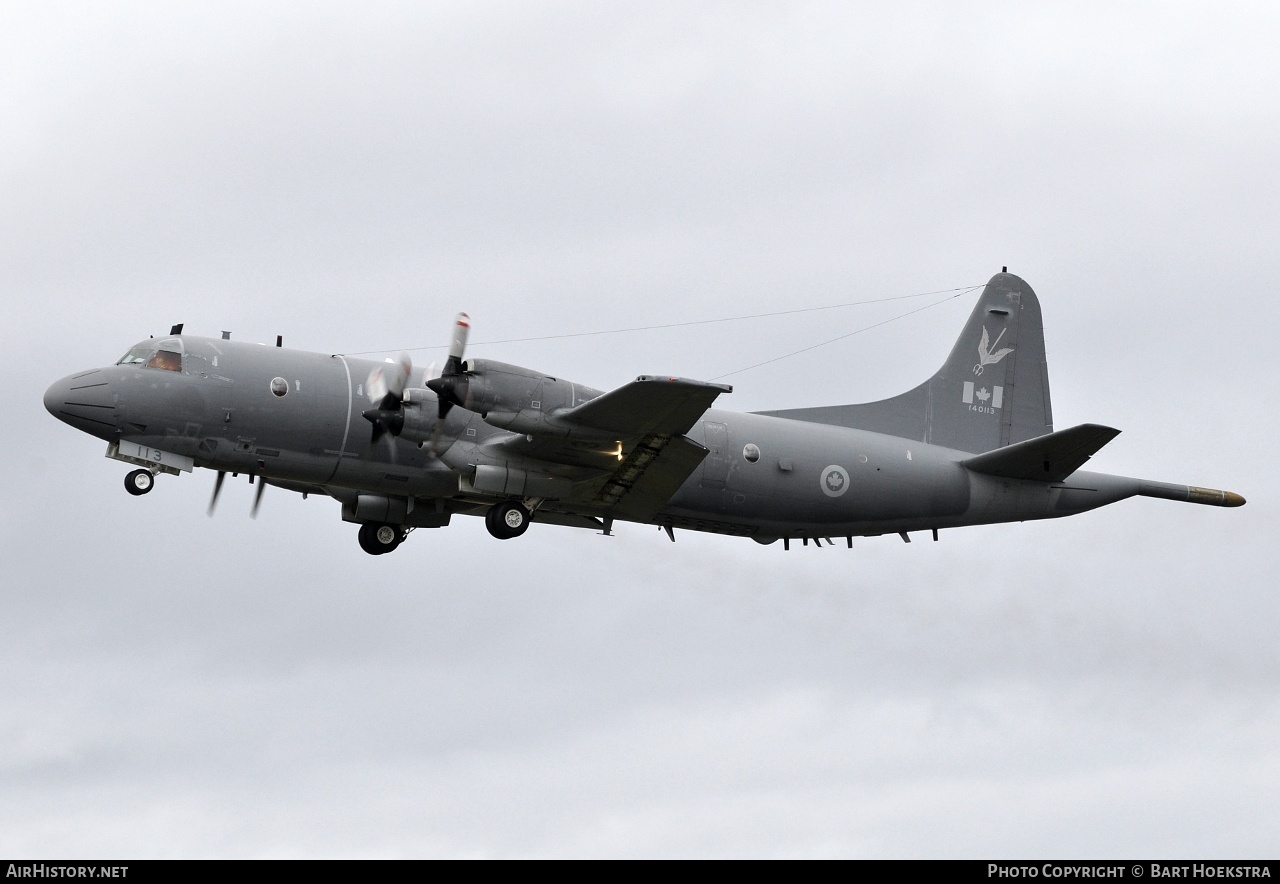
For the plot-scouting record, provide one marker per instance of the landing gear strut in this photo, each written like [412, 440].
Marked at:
[139, 482]
[507, 519]
[377, 538]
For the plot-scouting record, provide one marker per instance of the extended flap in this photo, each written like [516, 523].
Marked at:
[653, 472]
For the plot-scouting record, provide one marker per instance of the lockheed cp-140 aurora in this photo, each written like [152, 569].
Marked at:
[401, 448]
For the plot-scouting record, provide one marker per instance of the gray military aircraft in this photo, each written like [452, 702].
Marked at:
[402, 449]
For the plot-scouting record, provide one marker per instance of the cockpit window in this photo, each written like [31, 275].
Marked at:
[150, 357]
[166, 359]
[136, 356]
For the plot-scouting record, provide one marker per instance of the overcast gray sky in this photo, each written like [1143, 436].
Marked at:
[352, 175]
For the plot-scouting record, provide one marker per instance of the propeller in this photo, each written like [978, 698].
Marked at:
[451, 386]
[438, 433]
[385, 387]
[257, 497]
[217, 489]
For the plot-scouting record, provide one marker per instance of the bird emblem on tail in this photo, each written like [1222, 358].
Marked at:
[985, 356]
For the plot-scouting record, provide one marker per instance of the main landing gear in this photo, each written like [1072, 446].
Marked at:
[377, 538]
[139, 482]
[507, 519]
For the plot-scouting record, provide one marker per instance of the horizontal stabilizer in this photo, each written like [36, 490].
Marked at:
[1048, 458]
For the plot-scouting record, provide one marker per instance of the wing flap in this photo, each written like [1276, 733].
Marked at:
[1049, 458]
[634, 436]
[645, 481]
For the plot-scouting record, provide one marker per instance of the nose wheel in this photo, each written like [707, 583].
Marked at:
[507, 519]
[139, 482]
[377, 538]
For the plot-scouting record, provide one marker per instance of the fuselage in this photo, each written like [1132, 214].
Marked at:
[294, 418]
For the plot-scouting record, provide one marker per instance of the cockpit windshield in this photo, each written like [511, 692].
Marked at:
[136, 356]
[166, 356]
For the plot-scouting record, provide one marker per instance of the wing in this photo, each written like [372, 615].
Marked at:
[646, 405]
[635, 435]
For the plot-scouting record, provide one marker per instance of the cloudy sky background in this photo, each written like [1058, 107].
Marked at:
[1108, 685]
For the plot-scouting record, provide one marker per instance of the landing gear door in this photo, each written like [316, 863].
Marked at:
[152, 458]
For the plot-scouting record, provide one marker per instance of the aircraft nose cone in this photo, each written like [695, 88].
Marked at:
[56, 395]
[84, 401]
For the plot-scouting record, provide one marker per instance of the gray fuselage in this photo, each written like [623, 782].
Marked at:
[295, 419]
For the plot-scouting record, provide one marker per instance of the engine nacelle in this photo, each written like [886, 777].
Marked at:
[365, 508]
[519, 399]
[506, 480]
[419, 415]
[497, 386]
[508, 397]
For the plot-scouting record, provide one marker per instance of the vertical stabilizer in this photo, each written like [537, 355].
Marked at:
[993, 390]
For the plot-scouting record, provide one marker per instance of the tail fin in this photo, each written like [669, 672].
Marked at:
[993, 390]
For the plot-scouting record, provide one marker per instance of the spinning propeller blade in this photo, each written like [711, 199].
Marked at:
[257, 497]
[386, 385]
[217, 489]
[450, 386]
[385, 388]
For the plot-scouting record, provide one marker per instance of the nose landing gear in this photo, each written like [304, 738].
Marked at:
[139, 482]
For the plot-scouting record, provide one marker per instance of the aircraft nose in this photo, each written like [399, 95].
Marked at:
[55, 395]
[84, 401]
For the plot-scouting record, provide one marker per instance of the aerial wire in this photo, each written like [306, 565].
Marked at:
[848, 334]
[951, 293]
